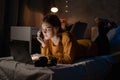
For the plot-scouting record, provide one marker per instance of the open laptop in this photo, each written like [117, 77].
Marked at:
[20, 53]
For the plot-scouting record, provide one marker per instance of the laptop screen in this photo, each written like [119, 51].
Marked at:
[20, 52]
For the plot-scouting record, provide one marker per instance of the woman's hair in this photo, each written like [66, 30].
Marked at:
[53, 20]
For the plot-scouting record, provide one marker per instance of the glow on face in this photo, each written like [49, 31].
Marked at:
[47, 30]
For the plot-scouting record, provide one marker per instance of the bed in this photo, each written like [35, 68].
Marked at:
[96, 68]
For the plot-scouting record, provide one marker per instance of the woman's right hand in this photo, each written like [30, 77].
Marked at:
[40, 39]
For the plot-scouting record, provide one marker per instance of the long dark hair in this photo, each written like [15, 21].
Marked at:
[54, 21]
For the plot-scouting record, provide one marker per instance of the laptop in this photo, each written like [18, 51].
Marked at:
[20, 53]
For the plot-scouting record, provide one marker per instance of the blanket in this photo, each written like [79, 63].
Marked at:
[89, 69]
[13, 70]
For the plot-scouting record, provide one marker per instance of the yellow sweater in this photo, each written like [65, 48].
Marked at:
[69, 49]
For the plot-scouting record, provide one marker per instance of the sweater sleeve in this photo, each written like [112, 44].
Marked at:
[45, 50]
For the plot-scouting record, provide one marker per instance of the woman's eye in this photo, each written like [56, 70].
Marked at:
[49, 29]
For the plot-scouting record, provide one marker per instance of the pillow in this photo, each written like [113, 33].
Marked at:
[114, 38]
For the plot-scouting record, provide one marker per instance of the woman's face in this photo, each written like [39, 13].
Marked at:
[47, 30]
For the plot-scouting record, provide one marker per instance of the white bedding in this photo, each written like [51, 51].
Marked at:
[91, 69]
[12, 70]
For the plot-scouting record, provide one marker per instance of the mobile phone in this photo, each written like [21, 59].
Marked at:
[41, 35]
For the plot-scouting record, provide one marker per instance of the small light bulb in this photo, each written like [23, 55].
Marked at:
[66, 1]
[66, 6]
[66, 11]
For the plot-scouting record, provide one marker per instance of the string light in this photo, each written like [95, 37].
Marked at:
[66, 1]
[66, 11]
[66, 6]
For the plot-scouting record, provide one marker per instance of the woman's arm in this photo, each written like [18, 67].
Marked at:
[66, 56]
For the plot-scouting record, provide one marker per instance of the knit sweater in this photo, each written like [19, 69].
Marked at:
[68, 50]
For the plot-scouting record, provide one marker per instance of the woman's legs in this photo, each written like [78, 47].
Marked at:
[102, 40]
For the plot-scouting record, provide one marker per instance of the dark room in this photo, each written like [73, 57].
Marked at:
[59, 40]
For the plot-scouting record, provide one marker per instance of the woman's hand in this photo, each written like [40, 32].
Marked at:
[36, 57]
[40, 39]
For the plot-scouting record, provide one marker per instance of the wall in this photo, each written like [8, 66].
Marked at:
[77, 10]
[32, 12]
[87, 10]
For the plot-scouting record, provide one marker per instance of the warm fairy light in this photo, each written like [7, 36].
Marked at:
[66, 6]
[66, 11]
[66, 1]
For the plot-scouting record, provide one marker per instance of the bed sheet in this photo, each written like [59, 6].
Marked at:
[89, 69]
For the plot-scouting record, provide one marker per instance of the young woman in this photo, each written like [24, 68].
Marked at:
[62, 45]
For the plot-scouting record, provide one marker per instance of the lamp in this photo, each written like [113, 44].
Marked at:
[53, 9]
